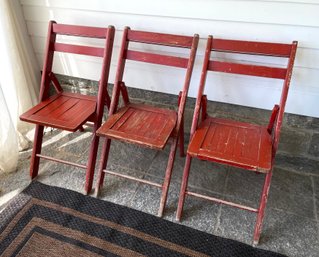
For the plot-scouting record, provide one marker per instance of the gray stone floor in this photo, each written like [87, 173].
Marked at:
[291, 224]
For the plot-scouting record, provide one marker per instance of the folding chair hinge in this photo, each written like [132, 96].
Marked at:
[124, 93]
[55, 83]
[204, 107]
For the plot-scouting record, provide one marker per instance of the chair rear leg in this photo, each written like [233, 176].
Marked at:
[91, 163]
[181, 131]
[37, 146]
[167, 178]
[182, 193]
[103, 164]
[261, 209]
[181, 140]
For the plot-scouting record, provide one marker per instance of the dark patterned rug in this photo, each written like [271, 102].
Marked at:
[51, 221]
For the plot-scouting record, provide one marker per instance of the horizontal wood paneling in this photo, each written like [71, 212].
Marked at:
[260, 20]
[263, 11]
[221, 28]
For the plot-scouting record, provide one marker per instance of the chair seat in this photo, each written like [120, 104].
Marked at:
[66, 111]
[140, 124]
[235, 143]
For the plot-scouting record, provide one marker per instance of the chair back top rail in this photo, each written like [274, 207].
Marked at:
[154, 38]
[160, 38]
[79, 31]
[251, 47]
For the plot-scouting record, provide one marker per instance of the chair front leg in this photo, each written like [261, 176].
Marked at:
[91, 163]
[182, 193]
[167, 179]
[262, 207]
[103, 164]
[37, 146]
[181, 140]
[181, 131]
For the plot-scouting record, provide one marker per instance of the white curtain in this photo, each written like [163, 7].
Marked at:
[19, 82]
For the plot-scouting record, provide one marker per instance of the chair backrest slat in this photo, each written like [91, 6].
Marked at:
[157, 58]
[79, 31]
[160, 39]
[246, 69]
[250, 47]
[79, 49]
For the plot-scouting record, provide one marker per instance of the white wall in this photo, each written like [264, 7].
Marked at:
[260, 20]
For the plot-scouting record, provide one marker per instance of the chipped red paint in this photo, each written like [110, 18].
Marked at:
[141, 124]
[234, 143]
[69, 111]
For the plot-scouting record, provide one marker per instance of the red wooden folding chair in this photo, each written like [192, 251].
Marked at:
[234, 143]
[142, 124]
[69, 111]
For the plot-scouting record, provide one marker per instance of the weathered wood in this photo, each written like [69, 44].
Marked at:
[217, 200]
[261, 208]
[157, 59]
[142, 124]
[133, 178]
[79, 31]
[62, 112]
[181, 133]
[77, 49]
[239, 144]
[55, 83]
[246, 69]
[284, 94]
[249, 146]
[251, 47]
[159, 38]
[69, 111]
[49, 158]
[273, 117]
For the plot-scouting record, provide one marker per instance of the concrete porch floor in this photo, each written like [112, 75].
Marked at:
[291, 223]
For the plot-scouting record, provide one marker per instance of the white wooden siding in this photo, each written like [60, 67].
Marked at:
[273, 21]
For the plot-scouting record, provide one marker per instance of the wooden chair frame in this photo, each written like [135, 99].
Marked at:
[85, 108]
[171, 133]
[271, 132]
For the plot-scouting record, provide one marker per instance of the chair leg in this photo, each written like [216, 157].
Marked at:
[181, 140]
[261, 209]
[91, 163]
[181, 131]
[103, 163]
[168, 175]
[182, 194]
[37, 146]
